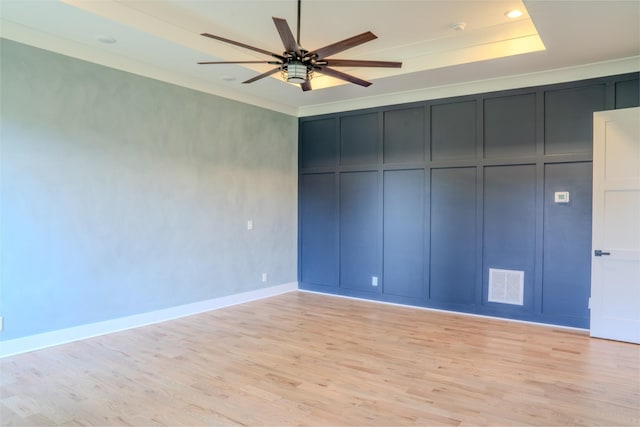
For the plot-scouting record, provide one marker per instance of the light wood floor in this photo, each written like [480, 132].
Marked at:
[307, 359]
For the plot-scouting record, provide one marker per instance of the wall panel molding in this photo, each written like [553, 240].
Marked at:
[489, 162]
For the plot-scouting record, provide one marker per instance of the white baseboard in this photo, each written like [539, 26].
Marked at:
[63, 336]
[460, 313]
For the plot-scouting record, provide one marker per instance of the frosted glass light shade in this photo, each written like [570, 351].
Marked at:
[296, 72]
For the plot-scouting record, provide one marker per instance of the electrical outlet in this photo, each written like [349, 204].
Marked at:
[374, 280]
[250, 225]
[264, 277]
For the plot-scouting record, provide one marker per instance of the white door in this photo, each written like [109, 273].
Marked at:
[615, 267]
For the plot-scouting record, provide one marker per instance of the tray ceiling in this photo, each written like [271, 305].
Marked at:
[161, 39]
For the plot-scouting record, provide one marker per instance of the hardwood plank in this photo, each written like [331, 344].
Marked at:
[308, 359]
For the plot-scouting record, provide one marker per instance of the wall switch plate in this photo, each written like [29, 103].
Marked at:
[250, 225]
[264, 277]
[374, 281]
[561, 197]
[1, 323]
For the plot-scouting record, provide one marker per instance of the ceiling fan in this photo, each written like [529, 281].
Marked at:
[297, 65]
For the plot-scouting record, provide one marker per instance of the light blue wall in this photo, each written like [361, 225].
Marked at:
[122, 195]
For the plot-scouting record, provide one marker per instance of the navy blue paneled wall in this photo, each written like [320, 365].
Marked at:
[415, 203]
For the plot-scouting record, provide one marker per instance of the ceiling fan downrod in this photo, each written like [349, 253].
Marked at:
[298, 29]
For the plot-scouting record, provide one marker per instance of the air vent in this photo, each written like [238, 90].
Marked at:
[506, 286]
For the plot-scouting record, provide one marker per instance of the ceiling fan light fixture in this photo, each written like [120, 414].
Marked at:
[296, 72]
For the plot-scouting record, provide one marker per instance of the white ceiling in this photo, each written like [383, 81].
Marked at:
[553, 41]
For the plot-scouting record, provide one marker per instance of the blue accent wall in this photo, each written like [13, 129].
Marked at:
[359, 239]
[566, 227]
[403, 233]
[318, 206]
[453, 236]
[509, 230]
[123, 195]
[428, 196]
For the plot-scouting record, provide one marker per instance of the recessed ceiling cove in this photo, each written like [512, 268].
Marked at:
[420, 34]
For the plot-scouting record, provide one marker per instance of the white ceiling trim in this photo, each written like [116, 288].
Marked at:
[602, 69]
[26, 35]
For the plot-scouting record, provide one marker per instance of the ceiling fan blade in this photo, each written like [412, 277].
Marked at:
[343, 76]
[345, 44]
[246, 46]
[263, 75]
[306, 85]
[289, 42]
[236, 62]
[361, 63]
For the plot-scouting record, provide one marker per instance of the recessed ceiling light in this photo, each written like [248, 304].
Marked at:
[515, 13]
[227, 78]
[106, 39]
[459, 26]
